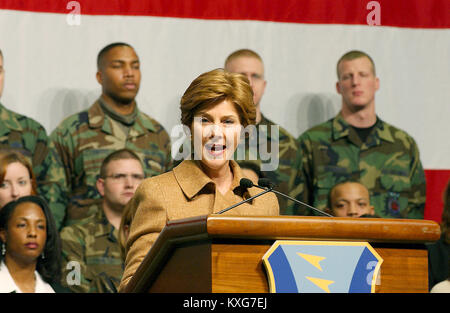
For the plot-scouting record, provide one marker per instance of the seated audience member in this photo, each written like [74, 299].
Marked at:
[349, 199]
[16, 176]
[358, 145]
[23, 134]
[439, 252]
[93, 241]
[215, 107]
[30, 259]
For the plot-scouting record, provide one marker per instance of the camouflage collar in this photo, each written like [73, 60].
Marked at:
[340, 129]
[384, 131]
[9, 121]
[192, 179]
[98, 119]
[142, 125]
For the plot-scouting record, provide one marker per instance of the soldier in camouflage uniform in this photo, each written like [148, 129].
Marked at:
[23, 134]
[92, 243]
[259, 149]
[81, 142]
[357, 145]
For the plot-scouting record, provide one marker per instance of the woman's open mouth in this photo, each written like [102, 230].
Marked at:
[215, 150]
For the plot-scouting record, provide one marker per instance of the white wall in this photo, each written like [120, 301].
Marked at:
[50, 68]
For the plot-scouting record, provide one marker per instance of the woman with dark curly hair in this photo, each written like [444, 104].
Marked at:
[30, 252]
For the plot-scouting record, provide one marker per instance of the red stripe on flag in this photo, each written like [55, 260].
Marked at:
[436, 182]
[400, 13]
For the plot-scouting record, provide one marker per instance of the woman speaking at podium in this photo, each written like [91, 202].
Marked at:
[215, 108]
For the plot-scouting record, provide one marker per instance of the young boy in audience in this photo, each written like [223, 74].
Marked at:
[350, 199]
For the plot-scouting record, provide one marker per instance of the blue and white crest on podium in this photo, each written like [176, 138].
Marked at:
[322, 266]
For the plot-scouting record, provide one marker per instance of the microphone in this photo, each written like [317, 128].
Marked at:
[245, 183]
[266, 184]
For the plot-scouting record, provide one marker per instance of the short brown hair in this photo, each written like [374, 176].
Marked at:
[242, 53]
[216, 86]
[355, 54]
[122, 154]
[8, 156]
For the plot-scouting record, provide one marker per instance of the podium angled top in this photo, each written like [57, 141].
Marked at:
[309, 228]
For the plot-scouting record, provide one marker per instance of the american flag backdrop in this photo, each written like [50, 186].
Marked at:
[50, 50]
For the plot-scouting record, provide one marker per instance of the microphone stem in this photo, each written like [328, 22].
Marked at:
[295, 200]
[246, 200]
[313, 208]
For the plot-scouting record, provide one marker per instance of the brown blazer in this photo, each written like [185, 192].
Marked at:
[186, 191]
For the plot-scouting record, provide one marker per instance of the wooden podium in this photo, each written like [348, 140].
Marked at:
[223, 254]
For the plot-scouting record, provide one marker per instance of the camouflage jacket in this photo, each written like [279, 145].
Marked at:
[259, 150]
[388, 164]
[77, 148]
[26, 136]
[91, 243]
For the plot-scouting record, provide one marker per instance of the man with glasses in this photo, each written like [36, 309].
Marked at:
[91, 246]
